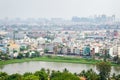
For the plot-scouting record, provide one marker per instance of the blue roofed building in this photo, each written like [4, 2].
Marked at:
[86, 50]
[3, 48]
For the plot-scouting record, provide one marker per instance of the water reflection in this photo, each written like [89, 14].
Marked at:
[116, 69]
[1, 66]
[37, 65]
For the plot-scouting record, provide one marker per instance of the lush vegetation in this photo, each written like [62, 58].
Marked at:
[104, 69]
[40, 75]
[116, 59]
[37, 56]
[50, 58]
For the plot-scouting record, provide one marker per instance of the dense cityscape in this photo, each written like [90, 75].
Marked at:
[78, 36]
[59, 40]
[90, 38]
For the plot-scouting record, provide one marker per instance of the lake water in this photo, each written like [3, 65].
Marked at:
[37, 65]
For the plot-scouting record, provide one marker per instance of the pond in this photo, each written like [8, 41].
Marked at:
[37, 65]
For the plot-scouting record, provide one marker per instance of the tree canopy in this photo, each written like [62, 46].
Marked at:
[104, 69]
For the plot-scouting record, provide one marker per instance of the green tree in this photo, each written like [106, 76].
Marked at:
[91, 75]
[116, 59]
[117, 77]
[33, 55]
[104, 69]
[105, 55]
[113, 76]
[3, 76]
[20, 56]
[48, 71]
[42, 75]
[14, 77]
[27, 74]
[37, 54]
[27, 54]
[22, 48]
[8, 48]
[63, 76]
[83, 73]
[31, 77]
[14, 51]
[65, 70]
[4, 56]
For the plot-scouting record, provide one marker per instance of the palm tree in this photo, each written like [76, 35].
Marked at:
[48, 72]
[8, 49]
[55, 50]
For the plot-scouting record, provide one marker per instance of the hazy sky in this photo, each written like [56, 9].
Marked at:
[57, 8]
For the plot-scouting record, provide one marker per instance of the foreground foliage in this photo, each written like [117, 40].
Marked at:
[64, 75]
[104, 69]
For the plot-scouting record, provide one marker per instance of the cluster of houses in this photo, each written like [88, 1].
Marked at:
[64, 42]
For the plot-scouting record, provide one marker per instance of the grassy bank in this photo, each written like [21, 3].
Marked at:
[52, 59]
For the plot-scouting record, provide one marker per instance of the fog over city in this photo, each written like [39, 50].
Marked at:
[57, 8]
[59, 40]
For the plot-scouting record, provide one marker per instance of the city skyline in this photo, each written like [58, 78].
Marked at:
[57, 8]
